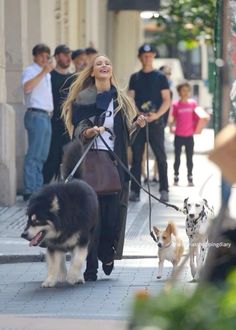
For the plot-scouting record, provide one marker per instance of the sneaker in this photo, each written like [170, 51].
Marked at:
[134, 197]
[107, 268]
[164, 196]
[176, 180]
[190, 181]
[90, 277]
[26, 197]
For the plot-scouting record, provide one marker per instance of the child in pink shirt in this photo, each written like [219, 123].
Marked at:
[184, 118]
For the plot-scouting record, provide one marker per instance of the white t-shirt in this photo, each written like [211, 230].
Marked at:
[108, 123]
[41, 95]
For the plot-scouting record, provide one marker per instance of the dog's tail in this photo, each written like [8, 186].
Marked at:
[72, 153]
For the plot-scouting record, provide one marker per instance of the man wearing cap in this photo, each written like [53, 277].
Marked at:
[36, 82]
[61, 80]
[79, 58]
[91, 53]
[150, 90]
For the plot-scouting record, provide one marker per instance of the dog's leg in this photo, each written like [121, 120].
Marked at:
[78, 258]
[200, 258]
[53, 262]
[192, 251]
[198, 262]
[160, 268]
[63, 271]
[175, 264]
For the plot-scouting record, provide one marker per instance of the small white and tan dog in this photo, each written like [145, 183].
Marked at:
[170, 246]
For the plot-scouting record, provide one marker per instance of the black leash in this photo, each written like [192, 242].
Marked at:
[136, 181]
[147, 191]
[148, 186]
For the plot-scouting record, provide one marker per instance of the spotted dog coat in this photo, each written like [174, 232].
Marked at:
[197, 222]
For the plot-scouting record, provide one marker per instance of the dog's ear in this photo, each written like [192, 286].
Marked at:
[205, 202]
[185, 204]
[207, 205]
[169, 228]
[156, 231]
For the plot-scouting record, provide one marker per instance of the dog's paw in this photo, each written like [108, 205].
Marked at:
[196, 277]
[73, 278]
[48, 283]
[62, 277]
[193, 271]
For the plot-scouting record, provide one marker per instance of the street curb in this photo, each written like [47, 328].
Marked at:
[14, 259]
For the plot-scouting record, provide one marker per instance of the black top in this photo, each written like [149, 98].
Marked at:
[60, 88]
[148, 87]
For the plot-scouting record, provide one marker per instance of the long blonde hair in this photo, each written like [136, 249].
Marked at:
[84, 80]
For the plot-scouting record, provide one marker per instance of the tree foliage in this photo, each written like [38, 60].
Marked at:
[186, 20]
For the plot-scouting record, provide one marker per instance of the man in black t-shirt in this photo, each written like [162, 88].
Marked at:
[61, 80]
[150, 90]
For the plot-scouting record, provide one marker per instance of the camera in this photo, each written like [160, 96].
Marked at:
[148, 107]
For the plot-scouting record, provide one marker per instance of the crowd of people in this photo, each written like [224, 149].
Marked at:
[64, 104]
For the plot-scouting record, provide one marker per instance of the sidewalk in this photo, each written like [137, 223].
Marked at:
[138, 242]
[106, 302]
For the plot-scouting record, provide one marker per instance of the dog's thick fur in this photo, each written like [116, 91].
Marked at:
[61, 217]
[169, 248]
[196, 225]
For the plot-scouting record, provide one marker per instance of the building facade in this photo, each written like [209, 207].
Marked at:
[78, 23]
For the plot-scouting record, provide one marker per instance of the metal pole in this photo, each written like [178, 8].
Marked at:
[225, 83]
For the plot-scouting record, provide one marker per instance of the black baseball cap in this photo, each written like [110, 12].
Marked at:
[90, 50]
[62, 49]
[146, 48]
[77, 52]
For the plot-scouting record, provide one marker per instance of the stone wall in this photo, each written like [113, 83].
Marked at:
[24, 23]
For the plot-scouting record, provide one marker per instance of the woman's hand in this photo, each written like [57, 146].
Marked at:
[91, 132]
[141, 121]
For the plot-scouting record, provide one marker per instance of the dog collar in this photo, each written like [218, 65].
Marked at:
[166, 246]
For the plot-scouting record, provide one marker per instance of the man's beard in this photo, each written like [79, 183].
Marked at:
[64, 65]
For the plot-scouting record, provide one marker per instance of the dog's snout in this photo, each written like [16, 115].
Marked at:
[24, 234]
[191, 215]
[159, 245]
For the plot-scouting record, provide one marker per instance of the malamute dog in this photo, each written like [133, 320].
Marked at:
[61, 217]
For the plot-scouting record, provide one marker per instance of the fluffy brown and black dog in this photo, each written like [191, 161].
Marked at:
[61, 218]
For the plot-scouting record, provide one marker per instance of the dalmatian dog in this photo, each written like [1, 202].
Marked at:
[197, 222]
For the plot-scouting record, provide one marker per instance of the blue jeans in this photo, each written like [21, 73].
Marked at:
[225, 191]
[38, 126]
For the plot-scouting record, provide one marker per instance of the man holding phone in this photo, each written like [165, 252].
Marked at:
[36, 82]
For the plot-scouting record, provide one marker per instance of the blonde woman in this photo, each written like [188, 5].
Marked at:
[95, 101]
